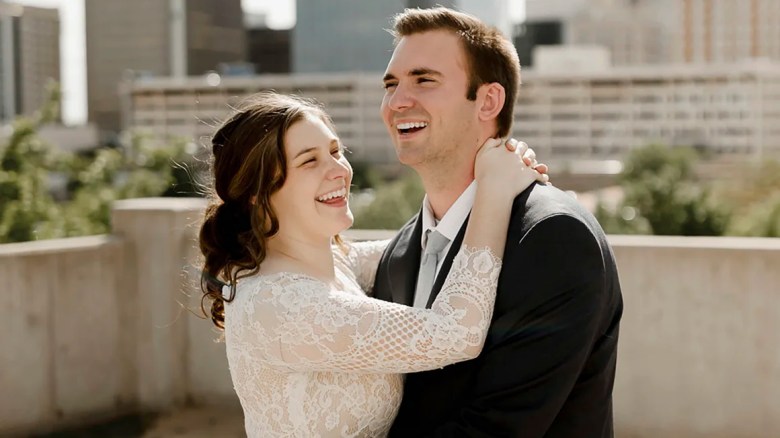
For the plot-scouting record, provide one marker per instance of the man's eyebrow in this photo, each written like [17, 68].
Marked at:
[424, 72]
[414, 72]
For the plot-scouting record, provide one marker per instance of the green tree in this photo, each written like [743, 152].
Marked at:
[393, 204]
[756, 200]
[365, 176]
[660, 185]
[761, 219]
[142, 166]
[25, 161]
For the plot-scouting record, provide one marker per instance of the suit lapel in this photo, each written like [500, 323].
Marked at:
[447, 263]
[404, 264]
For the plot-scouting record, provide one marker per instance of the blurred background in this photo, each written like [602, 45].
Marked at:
[661, 116]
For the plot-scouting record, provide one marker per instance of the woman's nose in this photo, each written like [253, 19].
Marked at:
[338, 169]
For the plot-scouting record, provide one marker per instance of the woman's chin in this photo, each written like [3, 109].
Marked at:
[348, 221]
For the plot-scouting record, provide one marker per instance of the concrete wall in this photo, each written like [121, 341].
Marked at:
[97, 326]
[699, 352]
[65, 355]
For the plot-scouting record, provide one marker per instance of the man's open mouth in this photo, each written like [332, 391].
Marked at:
[410, 127]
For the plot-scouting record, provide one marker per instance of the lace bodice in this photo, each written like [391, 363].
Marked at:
[314, 359]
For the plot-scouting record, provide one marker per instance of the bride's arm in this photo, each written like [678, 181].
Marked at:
[362, 259]
[298, 323]
[301, 324]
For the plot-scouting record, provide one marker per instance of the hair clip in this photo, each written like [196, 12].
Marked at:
[227, 291]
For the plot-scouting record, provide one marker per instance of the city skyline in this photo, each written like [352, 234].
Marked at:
[280, 14]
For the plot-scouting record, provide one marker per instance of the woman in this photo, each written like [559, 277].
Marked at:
[310, 353]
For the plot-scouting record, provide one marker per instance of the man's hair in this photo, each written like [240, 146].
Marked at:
[490, 57]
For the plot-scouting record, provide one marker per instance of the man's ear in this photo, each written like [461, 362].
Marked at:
[492, 97]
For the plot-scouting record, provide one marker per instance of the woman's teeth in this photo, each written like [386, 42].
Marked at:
[335, 194]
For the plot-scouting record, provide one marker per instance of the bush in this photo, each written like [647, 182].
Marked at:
[660, 186]
[95, 180]
[761, 219]
[392, 206]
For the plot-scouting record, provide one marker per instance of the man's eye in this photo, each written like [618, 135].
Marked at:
[336, 152]
[389, 85]
[421, 80]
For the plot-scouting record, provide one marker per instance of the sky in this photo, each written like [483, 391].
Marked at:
[280, 15]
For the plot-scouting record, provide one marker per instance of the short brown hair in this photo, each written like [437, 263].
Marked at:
[489, 55]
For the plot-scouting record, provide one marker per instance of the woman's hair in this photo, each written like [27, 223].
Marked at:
[248, 166]
[489, 55]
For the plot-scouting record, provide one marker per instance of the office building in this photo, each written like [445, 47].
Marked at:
[351, 35]
[657, 31]
[29, 57]
[269, 50]
[155, 38]
[731, 110]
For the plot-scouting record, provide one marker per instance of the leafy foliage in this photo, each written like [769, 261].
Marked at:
[661, 188]
[95, 179]
[393, 204]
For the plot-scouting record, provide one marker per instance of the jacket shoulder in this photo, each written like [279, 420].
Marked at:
[540, 202]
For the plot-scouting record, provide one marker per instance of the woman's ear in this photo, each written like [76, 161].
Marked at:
[491, 97]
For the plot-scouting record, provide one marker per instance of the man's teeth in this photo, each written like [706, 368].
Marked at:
[336, 194]
[411, 125]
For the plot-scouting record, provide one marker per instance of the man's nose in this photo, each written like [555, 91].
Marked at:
[401, 99]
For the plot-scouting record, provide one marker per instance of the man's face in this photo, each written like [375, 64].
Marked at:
[425, 108]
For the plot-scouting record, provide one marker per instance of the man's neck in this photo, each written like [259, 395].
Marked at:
[442, 194]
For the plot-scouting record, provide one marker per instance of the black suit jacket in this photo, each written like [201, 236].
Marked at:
[548, 365]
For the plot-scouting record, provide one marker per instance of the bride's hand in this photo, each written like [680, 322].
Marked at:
[529, 158]
[499, 170]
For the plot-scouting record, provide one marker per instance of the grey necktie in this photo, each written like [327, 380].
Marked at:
[430, 259]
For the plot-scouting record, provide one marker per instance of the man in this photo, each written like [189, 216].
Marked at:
[548, 365]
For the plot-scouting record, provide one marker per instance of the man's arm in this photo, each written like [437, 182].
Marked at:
[551, 308]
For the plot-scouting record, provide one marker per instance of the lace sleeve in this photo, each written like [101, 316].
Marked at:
[299, 324]
[362, 258]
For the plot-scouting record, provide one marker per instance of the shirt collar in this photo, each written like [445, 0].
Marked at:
[453, 220]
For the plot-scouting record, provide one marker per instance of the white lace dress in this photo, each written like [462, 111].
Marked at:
[310, 359]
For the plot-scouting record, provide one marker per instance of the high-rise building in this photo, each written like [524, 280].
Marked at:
[351, 35]
[29, 57]
[720, 30]
[660, 31]
[343, 35]
[268, 50]
[493, 12]
[155, 37]
[628, 28]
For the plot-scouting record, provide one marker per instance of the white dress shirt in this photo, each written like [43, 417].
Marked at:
[450, 224]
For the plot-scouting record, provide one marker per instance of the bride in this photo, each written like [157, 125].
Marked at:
[310, 353]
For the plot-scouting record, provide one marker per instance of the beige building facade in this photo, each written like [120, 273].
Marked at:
[667, 31]
[731, 110]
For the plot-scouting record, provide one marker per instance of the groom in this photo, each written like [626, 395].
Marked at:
[548, 365]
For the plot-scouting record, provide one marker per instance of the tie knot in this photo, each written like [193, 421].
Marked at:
[436, 242]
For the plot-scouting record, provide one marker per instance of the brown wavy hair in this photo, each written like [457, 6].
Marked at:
[248, 166]
[489, 55]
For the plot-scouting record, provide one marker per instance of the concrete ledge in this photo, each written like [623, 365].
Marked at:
[100, 324]
[56, 246]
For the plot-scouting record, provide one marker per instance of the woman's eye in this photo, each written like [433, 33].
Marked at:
[310, 160]
[336, 152]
